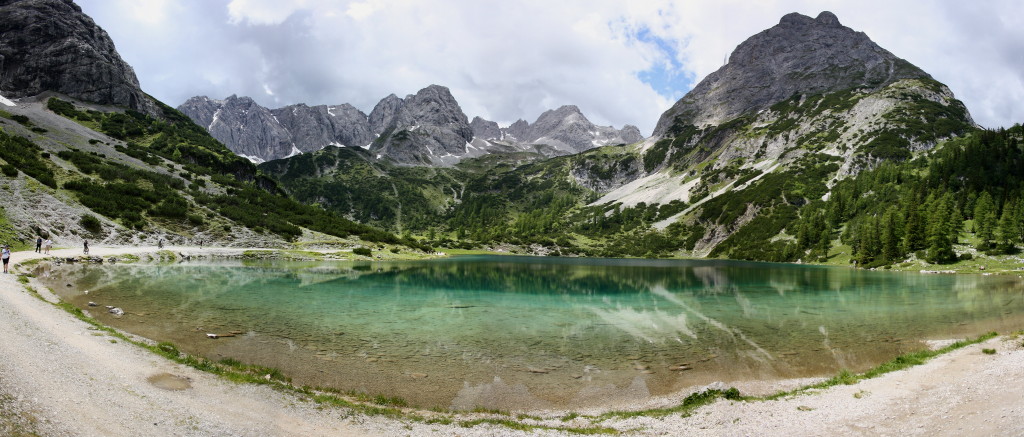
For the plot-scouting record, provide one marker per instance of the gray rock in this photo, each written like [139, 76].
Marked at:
[50, 45]
[519, 131]
[245, 127]
[384, 113]
[484, 129]
[800, 55]
[315, 127]
[427, 128]
[568, 130]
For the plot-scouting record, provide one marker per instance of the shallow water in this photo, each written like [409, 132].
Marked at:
[532, 333]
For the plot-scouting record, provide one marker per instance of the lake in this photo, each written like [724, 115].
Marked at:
[534, 333]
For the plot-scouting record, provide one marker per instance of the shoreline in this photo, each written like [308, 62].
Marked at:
[52, 327]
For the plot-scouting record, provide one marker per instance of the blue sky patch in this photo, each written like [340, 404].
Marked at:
[667, 77]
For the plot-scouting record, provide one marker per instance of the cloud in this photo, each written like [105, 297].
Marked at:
[620, 62]
[262, 12]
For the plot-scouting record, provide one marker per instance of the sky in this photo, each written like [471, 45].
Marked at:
[621, 62]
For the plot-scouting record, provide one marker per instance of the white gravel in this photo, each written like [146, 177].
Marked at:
[65, 379]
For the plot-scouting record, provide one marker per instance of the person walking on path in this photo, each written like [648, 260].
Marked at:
[47, 245]
[85, 246]
[39, 244]
[5, 253]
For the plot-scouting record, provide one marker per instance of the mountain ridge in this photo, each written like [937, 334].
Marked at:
[426, 128]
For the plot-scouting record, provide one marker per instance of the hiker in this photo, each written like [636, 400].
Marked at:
[5, 253]
[47, 245]
[85, 246]
[39, 244]
[160, 243]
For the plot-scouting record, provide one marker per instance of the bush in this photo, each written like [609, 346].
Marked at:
[90, 223]
[9, 170]
[364, 251]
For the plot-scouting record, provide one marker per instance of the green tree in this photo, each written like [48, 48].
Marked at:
[985, 218]
[891, 236]
[824, 243]
[1009, 231]
[940, 248]
[915, 234]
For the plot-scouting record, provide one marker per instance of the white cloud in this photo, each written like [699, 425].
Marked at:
[263, 12]
[360, 10]
[509, 60]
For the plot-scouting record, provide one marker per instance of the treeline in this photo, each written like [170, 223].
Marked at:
[920, 207]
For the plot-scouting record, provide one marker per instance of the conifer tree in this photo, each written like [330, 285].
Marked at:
[985, 218]
[1008, 229]
[891, 236]
[956, 226]
[915, 235]
[824, 243]
[940, 248]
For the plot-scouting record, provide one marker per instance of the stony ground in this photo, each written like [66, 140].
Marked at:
[61, 377]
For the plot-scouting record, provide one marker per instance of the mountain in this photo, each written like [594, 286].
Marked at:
[244, 126]
[568, 131]
[86, 155]
[800, 55]
[426, 128]
[740, 167]
[50, 45]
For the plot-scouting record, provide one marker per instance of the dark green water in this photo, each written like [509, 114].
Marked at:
[519, 332]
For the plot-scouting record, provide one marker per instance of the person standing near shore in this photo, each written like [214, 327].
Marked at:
[5, 253]
[85, 246]
[47, 245]
[39, 244]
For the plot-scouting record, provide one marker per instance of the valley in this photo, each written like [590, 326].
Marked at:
[321, 269]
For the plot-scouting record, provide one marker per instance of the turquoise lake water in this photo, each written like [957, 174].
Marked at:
[530, 333]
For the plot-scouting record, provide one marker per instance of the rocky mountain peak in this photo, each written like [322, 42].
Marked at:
[435, 105]
[51, 45]
[425, 128]
[800, 55]
[383, 114]
[485, 129]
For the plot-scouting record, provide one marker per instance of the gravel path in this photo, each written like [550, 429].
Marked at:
[59, 377]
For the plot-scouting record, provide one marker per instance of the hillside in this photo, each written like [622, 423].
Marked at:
[79, 171]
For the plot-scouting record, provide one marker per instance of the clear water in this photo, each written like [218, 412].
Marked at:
[531, 333]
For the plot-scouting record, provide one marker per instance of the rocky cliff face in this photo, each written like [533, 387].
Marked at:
[50, 45]
[800, 55]
[313, 127]
[244, 126]
[426, 128]
[484, 129]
